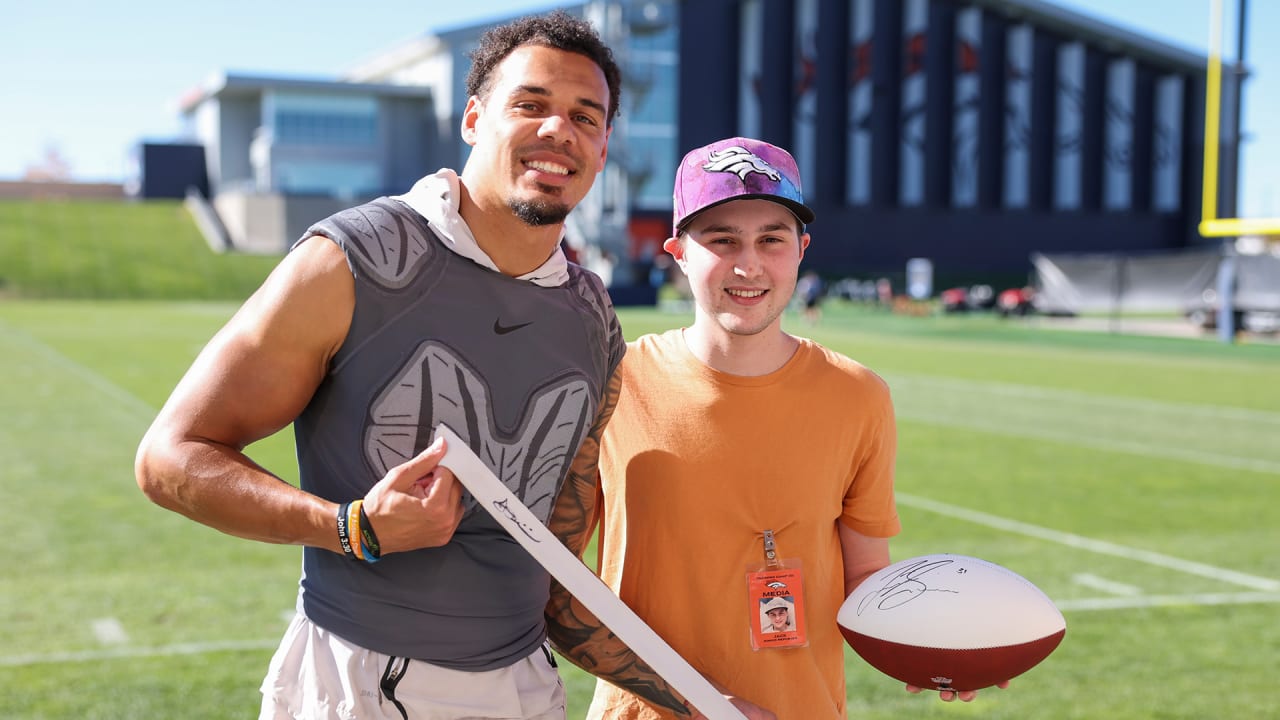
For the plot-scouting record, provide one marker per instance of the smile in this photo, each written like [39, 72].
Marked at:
[548, 167]
[746, 293]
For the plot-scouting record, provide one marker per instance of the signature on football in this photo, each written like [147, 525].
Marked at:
[905, 585]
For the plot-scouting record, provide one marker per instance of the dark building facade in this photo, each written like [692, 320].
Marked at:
[972, 133]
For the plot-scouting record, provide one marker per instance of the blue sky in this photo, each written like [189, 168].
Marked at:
[93, 78]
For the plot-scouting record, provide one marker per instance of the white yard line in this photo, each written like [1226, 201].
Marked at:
[1141, 449]
[1090, 580]
[139, 652]
[1098, 546]
[1054, 395]
[953, 402]
[125, 401]
[1147, 601]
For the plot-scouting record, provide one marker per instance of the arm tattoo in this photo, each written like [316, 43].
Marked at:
[572, 629]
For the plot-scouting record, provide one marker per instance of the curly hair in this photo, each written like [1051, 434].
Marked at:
[557, 30]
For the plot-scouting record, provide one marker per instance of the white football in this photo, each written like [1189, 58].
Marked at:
[950, 622]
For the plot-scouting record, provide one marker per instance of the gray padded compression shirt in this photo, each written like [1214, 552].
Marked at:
[518, 370]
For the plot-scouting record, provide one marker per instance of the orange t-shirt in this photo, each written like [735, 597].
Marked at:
[695, 465]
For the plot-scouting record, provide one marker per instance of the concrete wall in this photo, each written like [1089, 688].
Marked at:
[269, 223]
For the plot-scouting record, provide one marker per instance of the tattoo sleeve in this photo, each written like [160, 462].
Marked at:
[572, 629]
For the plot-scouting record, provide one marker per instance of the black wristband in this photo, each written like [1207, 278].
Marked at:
[344, 531]
[368, 538]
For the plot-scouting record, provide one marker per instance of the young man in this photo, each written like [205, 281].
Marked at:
[452, 303]
[710, 420]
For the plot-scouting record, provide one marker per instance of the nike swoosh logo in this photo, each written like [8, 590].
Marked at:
[501, 329]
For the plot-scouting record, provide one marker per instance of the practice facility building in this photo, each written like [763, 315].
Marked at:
[969, 132]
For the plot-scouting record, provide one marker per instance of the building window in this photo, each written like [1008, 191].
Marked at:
[1118, 138]
[316, 177]
[1069, 130]
[649, 151]
[316, 119]
[1019, 60]
[651, 163]
[1167, 156]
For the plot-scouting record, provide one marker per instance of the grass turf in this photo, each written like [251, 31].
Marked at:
[112, 249]
[1061, 455]
[1065, 455]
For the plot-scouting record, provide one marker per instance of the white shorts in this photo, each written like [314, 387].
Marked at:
[316, 674]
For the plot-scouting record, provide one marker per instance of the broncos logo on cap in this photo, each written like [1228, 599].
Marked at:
[739, 161]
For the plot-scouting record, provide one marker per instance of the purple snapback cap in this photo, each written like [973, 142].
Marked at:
[737, 169]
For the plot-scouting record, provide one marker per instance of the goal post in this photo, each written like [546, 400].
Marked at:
[1210, 224]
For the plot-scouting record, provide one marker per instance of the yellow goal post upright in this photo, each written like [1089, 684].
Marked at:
[1210, 224]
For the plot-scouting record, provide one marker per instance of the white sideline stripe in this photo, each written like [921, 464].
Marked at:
[1151, 450]
[124, 400]
[1148, 601]
[1031, 429]
[109, 631]
[1101, 547]
[140, 652]
[1090, 580]
[1036, 392]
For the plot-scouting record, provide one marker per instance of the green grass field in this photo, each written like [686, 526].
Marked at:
[112, 249]
[1134, 479]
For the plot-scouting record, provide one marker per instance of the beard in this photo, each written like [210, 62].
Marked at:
[541, 212]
